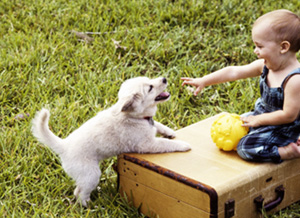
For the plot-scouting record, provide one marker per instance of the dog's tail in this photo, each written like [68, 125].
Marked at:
[41, 131]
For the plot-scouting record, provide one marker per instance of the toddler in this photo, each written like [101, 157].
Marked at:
[275, 122]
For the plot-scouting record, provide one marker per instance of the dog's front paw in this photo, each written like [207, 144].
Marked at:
[168, 133]
[184, 146]
[164, 130]
[170, 136]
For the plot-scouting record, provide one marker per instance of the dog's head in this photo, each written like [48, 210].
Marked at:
[139, 96]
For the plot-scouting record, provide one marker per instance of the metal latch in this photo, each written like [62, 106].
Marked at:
[229, 208]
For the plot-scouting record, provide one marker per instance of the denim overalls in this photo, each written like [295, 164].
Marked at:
[261, 143]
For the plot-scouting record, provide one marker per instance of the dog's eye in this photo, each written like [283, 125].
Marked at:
[150, 88]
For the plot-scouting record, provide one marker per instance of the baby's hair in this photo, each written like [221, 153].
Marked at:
[286, 26]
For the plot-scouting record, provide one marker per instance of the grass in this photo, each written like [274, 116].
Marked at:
[42, 62]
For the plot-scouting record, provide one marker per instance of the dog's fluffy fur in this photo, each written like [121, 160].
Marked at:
[125, 127]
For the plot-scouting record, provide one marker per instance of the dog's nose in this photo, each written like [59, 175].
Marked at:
[164, 80]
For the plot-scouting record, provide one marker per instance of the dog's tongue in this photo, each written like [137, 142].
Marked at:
[162, 96]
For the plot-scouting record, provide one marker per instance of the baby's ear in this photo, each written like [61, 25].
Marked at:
[285, 46]
[130, 103]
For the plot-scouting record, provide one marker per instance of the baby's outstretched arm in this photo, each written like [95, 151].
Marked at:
[226, 74]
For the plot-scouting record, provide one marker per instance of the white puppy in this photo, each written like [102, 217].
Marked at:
[125, 127]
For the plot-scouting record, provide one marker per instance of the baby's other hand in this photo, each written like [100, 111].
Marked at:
[251, 121]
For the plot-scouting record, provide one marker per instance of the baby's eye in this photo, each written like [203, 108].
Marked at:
[150, 88]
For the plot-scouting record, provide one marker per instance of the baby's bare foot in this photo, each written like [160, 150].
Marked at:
[291, 151]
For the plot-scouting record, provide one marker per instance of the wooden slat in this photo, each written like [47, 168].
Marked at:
[163, 184]
[154, 202]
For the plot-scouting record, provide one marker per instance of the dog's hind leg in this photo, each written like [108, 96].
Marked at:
[86, 182]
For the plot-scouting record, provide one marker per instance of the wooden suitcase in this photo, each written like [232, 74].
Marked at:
[206, 182]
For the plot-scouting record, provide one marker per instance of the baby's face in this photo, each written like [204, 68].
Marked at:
[266, 47]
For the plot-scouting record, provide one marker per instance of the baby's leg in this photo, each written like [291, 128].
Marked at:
[253, 147]
[291, 151]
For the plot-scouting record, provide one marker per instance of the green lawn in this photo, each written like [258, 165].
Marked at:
[44, 63]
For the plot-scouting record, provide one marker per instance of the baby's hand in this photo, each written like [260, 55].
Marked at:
[251, 121]
[193, 82]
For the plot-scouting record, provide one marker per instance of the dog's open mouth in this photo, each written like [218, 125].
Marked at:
[162, 96]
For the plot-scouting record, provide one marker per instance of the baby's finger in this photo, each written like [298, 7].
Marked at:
[246, 125]
[197, 91]
[244, 119]
[186, 82]
[186, 78]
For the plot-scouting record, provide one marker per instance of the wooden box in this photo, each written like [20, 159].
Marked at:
[206, 182]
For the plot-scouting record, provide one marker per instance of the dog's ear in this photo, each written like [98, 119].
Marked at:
[129, 104]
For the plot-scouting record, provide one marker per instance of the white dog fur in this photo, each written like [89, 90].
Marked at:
[125, 127]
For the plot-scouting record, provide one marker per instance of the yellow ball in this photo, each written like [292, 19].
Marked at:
[226, 131]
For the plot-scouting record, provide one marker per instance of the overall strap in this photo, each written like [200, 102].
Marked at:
[296, 71]
[264, 72]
